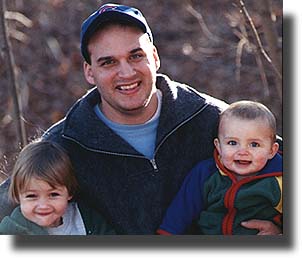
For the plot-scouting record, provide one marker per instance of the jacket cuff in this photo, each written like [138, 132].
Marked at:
[163, 232]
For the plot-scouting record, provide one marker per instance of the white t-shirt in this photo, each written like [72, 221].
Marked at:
[72, 222]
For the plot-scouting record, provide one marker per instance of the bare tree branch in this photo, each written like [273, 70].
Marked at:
[8, 55]
[262, 74]
[242, 42]
[239, 50]
[201, 22]
[271, 37]
[256, 35]
[18, 17]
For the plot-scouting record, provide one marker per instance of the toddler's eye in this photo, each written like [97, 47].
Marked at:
[54, 194]
[30, 196]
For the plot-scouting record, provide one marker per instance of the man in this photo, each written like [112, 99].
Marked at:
[133, 138]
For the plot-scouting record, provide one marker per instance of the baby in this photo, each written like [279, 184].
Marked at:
[243, 181]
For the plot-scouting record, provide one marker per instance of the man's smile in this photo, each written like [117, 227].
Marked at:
[128, 87]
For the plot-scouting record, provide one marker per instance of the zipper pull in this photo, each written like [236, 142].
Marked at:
[154, 165]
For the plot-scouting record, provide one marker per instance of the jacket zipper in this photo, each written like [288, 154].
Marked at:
[227, 224]
[176, 128]
[152, 161]
[230, 196]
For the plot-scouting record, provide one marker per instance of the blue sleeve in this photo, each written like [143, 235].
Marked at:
[188, 203]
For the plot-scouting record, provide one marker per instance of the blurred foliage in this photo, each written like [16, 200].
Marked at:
[198, 42]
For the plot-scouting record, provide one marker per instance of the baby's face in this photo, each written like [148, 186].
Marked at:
[245, 146]
[43, 204]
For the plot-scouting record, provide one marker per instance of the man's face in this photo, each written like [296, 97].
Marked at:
[123, 67]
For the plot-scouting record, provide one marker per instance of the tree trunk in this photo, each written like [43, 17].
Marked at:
[6, 49]
[271, 37]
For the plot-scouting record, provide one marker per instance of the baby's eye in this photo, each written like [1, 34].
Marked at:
[231, 142]
[255, 144]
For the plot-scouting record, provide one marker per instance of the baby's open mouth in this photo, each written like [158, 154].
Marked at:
[243, 162]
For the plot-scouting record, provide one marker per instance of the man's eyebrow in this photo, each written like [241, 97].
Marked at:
[106, 58]
[136, 50]
[103, 58]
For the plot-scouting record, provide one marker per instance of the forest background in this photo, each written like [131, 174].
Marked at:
[221, 47]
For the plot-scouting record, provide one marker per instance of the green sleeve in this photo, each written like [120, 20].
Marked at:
[17, 224]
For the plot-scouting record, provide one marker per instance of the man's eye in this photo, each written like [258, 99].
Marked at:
[107, 62]
[255, 144]
[136, 56]
[232, 143]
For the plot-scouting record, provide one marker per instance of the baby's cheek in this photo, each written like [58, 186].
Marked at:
[261, 160]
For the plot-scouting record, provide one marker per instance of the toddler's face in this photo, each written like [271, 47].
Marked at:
[245, 146]
[43, 204]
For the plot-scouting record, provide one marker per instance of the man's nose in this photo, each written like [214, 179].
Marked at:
[126, 70]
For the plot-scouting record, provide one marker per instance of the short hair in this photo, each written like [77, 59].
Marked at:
[251, 110]
[42, 160]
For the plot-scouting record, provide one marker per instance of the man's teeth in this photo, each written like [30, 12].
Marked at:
[128, 87]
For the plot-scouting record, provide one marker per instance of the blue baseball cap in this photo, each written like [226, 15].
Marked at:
[107, 13]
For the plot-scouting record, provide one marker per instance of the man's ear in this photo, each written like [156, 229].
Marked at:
[88, 73]
[156, 58]
[274, 150]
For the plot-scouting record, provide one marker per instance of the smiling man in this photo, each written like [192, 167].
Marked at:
[123, 65]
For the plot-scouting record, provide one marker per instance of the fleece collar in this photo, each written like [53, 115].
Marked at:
[179, 104]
